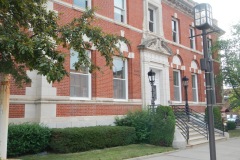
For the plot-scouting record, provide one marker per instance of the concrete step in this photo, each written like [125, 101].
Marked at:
[202, 140]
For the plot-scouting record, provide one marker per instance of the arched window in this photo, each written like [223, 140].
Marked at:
[177, 80]
[194, 82]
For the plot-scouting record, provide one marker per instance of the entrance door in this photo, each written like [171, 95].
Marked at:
[157, 85]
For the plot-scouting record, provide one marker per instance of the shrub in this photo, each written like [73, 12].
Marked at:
[163, 126]
[140, 120]
[217, 118]
[68, 140]
[27, 138]
[231, 125]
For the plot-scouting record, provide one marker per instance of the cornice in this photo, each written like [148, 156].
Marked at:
[181, 5]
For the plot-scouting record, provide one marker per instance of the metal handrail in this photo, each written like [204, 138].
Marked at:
[216, 130]
[193, 121]
[181, 123]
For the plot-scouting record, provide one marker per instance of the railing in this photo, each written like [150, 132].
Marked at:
[193, 119]
[181, 119]
[196, 121]
[218, 126]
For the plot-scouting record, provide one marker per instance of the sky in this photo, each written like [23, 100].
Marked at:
[227, 12]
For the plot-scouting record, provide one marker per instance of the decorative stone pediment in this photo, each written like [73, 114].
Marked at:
[156, 44]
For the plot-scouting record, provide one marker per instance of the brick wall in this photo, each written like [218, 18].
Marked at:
[16, 110]
[102, 82]
[68, 110]
[186, 55]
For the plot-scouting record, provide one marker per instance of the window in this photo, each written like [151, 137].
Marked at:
[82, 3]
[151, 19]
[120, 84]
[80, 80]
[120, 10]
[194, 88]
[175, 30]
[192, 38]
[209, 47]
[177, 85]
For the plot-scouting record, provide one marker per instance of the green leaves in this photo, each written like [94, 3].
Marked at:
[230, 58]
[30, 36]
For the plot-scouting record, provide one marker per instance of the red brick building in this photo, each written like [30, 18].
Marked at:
[178, 26]
[158, 31]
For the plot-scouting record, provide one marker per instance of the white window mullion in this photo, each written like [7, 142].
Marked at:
[177, 86]
[192, 38]
[80, 80]
[194, 88]
[151, 19]
[120, 79]
[120, 11]
[175, 30]
[82, 3]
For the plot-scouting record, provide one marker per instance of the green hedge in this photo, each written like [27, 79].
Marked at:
[141, 121]
[217, 118]
[163, 126]
[231, 125]
[27, 138]
[69, 140]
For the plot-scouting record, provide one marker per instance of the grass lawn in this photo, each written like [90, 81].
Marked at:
[115, 153]
[234, 133]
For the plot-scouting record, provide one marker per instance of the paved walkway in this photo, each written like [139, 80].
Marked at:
[225, 150]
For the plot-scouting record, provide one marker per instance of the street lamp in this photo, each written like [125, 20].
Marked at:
[185, 84]
[151, 77]
[203, 21]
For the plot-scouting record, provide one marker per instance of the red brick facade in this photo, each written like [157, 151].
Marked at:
[185, 53]
[102, 81]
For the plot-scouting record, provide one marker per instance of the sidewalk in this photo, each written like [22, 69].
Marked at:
[225, 150]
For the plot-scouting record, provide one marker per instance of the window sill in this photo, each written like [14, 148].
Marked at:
[120, 100]
[80, 98]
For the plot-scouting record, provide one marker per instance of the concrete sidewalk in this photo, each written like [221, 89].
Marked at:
[225, 150]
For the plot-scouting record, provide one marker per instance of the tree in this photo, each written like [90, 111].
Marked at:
[29, 40]
[230, 57]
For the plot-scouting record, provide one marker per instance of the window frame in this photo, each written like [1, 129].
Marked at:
[154, 19]
[124, 10]
[179, 86]
[175, 21]
[195, 89]
[79, 73]
[89, 5]
[125, 79]
[192, 38]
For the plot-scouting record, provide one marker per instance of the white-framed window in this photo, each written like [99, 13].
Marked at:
[80, 80]
[175, 30]
[192, 38]
[120, 79]
[82, 3]
[177, 86]
[194, 88]
[151, 19]
[209, 46]
[120, 10]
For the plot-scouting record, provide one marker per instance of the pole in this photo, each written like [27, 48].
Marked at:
[186, 103]
[209, 92]
[4, 112]
[152, 101]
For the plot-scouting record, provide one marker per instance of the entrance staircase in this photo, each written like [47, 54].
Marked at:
[194, 128]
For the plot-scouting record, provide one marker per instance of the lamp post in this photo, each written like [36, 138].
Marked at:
[185, 84]
[151, 77]
[203, 21]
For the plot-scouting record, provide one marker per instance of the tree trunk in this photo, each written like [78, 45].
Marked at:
[4, 112]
